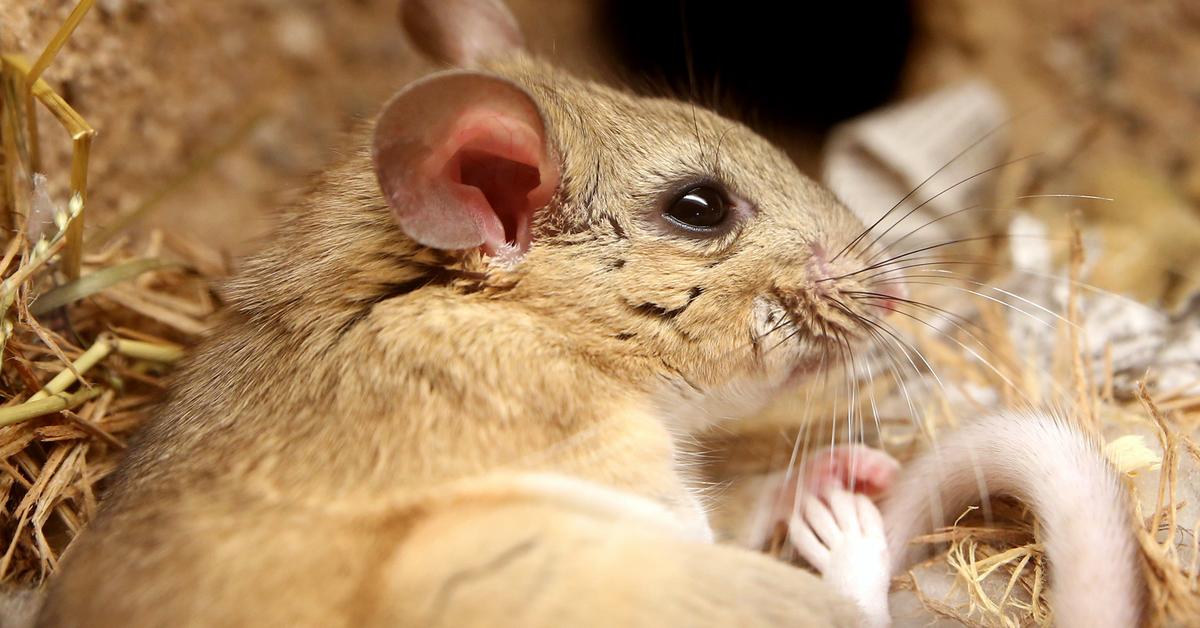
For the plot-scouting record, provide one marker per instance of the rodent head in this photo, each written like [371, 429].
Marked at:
[665, 238]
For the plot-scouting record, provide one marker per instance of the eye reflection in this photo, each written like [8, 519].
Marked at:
[700, 207]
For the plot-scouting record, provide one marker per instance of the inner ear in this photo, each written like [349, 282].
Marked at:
[506, 186]
[463, 161]
[502, 159]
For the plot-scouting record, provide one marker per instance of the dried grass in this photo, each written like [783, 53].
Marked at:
[74, 385]
[996, 565]
[86, 337]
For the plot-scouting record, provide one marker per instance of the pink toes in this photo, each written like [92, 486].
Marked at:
[856, 468]
[840, 534]
[838, 530]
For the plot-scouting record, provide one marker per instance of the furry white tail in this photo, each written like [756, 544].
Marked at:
[1042, 459]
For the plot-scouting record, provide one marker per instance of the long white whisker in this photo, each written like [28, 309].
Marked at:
[975, 354]
[896, 368]
[1086, 197]
[923, 249]
[1039, 306]
[998, 210]
[939, 194]
[991, 298]
[920, 185]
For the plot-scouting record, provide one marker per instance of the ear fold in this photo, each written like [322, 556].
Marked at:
[464, 162]
[461, 32]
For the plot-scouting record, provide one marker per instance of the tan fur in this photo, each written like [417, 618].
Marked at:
[381, 434]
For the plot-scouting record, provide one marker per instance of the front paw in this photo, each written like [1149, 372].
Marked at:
[840, 533]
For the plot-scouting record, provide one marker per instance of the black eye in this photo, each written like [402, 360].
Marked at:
[701, 207]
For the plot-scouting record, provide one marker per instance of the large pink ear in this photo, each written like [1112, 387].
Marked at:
[464, 162]
[460, 32]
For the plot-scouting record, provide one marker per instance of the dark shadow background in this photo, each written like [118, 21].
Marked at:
[801, 66]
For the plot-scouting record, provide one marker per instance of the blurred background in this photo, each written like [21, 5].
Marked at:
[211, 115]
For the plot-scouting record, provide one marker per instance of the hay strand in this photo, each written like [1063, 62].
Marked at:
[60, 436]
[94, 283]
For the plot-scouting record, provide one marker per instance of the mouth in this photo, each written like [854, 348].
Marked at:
[809, 332]
[805, 368]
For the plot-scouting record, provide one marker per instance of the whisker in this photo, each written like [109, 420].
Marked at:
[1086, 197]
[871, 395]
[905, 346]
[945, 315]
[717, 153]
[975, 261]
[894, 367]
[980, 207]
[936, 196]
[949, 317]
[920, 185]
[786, 338]
[851, 386]
[860, 418]
[972, 336]
[807, 409]
[976, 355]
[1074, 282]
[884, 297]
[883, 251]
[756, 339]
[780, 325]
[887, 345]
[897, 269]
[884, 327]
[936, 246]
[988, 297]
